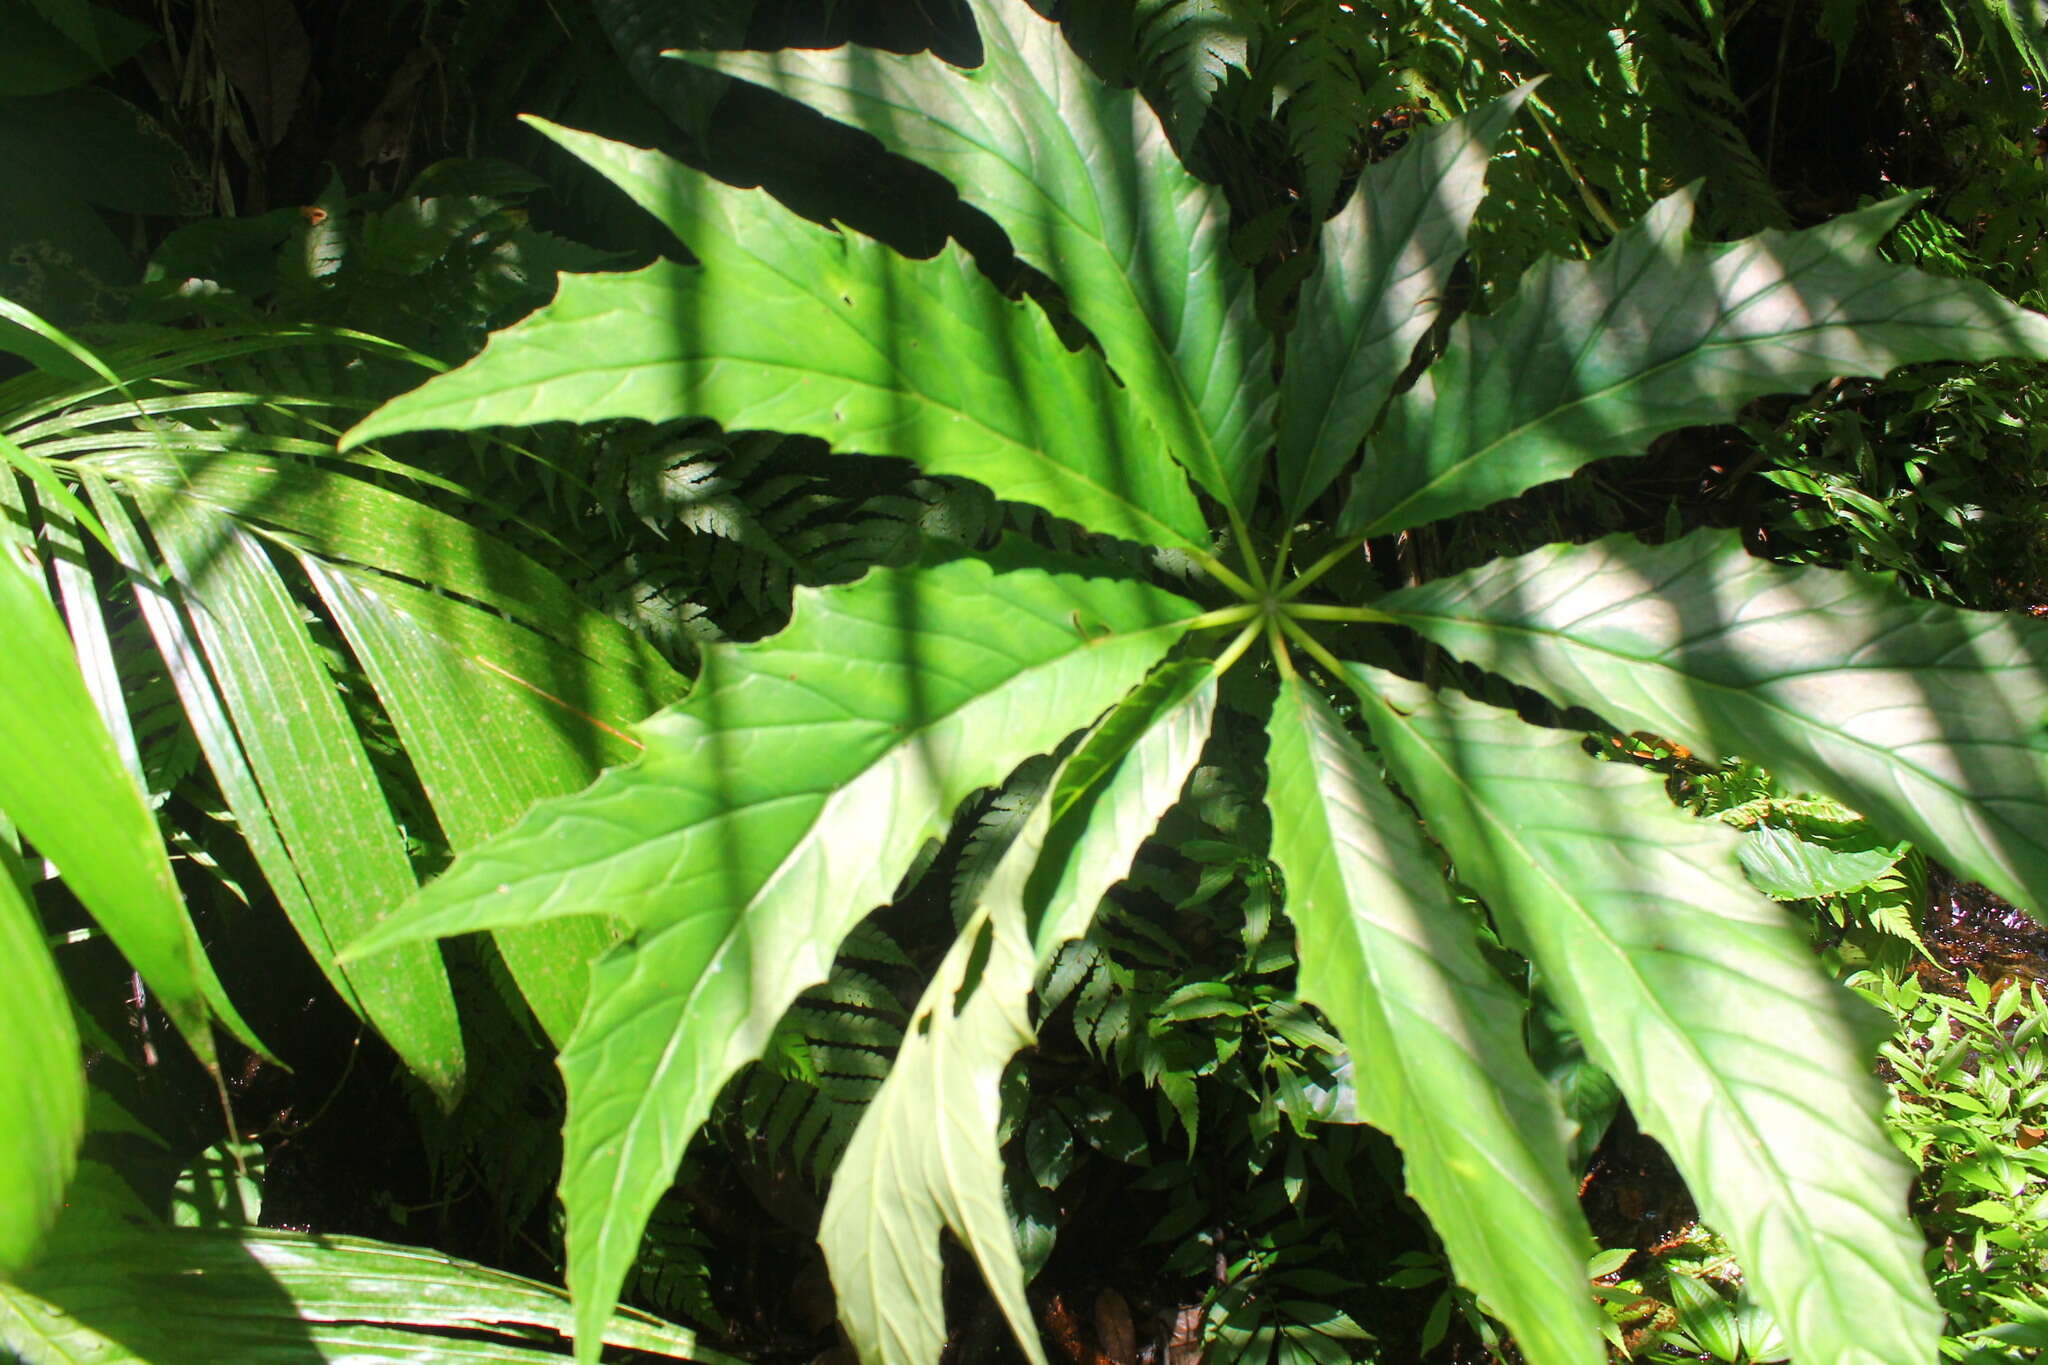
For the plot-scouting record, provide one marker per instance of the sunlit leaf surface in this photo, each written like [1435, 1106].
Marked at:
[1082, 178]
[925, 1156]
[773, 809]
[285, 1298]
[1594, 358]
[42, 1078]
[1928, 719]
[1698, 996]
[1435, 1034]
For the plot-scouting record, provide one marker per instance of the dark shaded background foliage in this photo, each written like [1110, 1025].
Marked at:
[270, 159]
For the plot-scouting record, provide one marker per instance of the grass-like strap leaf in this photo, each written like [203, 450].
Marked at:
[1386, 262]
[925, 1157]
[1926, 718]
[485, 748]
[42, 1079]
[63, 782]
[1594, 358]
[1435, 1034]
[157, 1297]
[1083, 179]
[1698, 996]
[771, 810]
[317, 782]
[795, 327]
[341, 517]
[160, 603]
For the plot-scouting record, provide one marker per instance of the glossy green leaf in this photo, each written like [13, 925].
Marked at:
[50, 487]
[772, 809]
[1385, 267]
[91, 643]
[485, 748]
[1698, 996]
[1594, 358]
[795, 327]
[157, 1297]
[1083, 179]
[1434, 1033]
[1926, 718]
[1785, 865]
[42, 1078]
[925, 1157]
[316, 780]
[64, 783]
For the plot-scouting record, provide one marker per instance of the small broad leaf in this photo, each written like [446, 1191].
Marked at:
[795, 327]
[1594, 358]
[1698, 996]
[1927, 718]
[1386, 262]
[926, 1156]
[1083, 179]
[1433, 1031]
[771, 811]
[1707, 1318]
[42, 1079]
[1785, 865]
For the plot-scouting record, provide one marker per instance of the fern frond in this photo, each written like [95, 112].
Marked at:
[1329, 75]
[671, 1275]
[997, 824]
[834, 1047]
[1187, 50]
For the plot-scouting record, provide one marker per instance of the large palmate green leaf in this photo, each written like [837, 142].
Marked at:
[42, 1079]
[772, 809]
[1593, 358]
[1930, 720]
[798, 328]
[910, 1172]
[786, 795]
[1697, 995]
[64, 783]
[1435, 1034]
[157, 1297]
[1083, 179]
[1386, 263]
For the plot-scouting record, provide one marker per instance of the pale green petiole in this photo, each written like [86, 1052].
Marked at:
[1318, 611]
[1322, 566]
